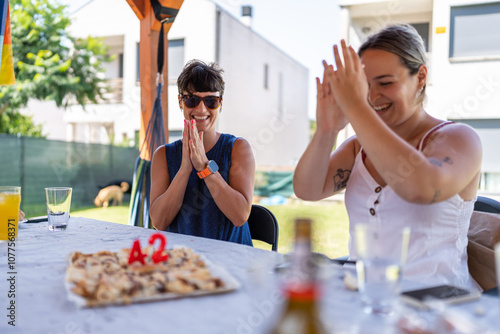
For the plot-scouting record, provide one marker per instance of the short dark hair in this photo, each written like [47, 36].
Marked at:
[198, 76]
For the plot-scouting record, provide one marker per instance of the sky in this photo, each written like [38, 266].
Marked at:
[304, 29]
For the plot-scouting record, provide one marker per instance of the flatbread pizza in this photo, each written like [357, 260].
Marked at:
[106, 278]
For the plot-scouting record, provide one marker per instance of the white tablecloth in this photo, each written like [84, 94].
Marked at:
[42, 305]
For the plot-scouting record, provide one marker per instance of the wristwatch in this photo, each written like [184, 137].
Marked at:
[211, 168]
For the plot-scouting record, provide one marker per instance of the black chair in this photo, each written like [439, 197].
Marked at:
[264, 226]
[485, 204]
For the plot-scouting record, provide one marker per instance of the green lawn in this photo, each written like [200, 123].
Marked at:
[114, 214]
[330, 225]
[330, 229]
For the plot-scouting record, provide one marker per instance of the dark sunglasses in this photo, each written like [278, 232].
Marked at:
[192, 101]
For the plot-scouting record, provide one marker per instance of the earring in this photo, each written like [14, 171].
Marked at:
[420, 91]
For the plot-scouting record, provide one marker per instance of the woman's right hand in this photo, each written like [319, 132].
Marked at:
[186, 163]
[329, 116]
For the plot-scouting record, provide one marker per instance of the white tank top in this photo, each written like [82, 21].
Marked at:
[437, 251]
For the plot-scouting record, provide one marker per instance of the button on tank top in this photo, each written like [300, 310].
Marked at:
[437, 251]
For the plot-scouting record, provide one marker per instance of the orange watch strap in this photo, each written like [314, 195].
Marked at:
[209, 170]
[204, 173]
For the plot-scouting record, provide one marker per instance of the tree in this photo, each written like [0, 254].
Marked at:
[49, 64]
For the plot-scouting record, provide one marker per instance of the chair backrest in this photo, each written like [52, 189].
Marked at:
[264, 225]
[484, 233]
[485, 204]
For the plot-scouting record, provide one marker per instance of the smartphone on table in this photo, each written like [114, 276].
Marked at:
[446, 293]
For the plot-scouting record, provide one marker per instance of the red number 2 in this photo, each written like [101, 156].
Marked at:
[157, 256]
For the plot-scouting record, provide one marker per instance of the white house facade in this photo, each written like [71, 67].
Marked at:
[463, 46]
[265, 100]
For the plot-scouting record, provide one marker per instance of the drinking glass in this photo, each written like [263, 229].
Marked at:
[381, 257]
[10, 200]
[58, 205]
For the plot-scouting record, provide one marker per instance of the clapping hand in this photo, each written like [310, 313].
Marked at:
[348, 83]
[329, 116]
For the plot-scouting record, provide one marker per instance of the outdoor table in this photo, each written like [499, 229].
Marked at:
[42, 306]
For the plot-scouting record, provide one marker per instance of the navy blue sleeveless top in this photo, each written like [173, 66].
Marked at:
[199, 215]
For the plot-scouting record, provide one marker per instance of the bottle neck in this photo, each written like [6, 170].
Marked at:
[302, 284]
[303, 266]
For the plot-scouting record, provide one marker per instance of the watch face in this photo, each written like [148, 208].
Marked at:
[212, 165]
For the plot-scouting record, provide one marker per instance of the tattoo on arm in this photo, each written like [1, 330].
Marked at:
[436, 195]
[340, 179]
[437, 162]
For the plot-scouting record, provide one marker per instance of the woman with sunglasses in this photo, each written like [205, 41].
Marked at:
[203, 184]
[403, 167]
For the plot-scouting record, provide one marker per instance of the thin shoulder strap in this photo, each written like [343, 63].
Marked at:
[423, 141]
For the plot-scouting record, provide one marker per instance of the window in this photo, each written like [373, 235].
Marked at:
[490, 182]
[120, 65]
[474, 30]
[280, 95]
[175, 58]
[489, 132]
[138, 64]
[423, 31]
[266, 76]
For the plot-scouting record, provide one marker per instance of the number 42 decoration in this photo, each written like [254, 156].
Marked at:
[137, 255]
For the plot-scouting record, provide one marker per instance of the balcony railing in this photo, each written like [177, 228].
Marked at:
[114, 95]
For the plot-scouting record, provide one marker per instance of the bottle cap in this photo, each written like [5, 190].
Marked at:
[303, 228]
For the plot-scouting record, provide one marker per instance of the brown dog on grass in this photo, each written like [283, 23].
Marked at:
[111, 193]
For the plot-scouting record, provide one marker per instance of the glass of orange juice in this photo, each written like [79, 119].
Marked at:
[10, 200]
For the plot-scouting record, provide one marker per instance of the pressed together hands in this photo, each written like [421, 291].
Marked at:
[342, 91]
[193, 150]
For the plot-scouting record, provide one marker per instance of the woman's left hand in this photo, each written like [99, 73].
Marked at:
[348, 83]
[329, 116]
[198, 156]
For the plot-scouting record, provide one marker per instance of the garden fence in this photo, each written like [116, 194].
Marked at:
[36, 163]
